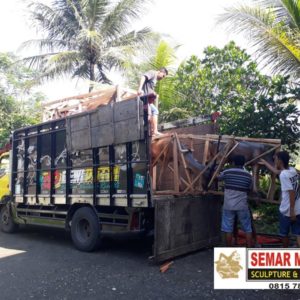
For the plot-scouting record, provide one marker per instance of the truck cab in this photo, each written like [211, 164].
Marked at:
[4, 175]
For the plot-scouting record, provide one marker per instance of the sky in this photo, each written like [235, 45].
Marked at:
[190, 23]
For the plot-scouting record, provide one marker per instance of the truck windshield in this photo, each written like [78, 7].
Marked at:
[4, 161]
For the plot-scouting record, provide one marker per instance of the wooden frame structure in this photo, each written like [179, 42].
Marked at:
[61, 108]
[187, 182]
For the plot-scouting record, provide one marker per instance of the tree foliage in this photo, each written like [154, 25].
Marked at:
[19, 104]
[222, 80]
[85, 38]
[272, 114]
[252, 104]
[273, 29]
[157, 54]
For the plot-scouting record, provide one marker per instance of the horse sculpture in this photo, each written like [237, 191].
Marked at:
[252, 151]
[162, 153]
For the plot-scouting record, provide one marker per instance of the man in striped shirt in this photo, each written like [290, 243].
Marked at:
[237, 184]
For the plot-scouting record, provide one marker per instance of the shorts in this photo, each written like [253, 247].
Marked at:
[244, 217]
[153, 110]
[285, 224]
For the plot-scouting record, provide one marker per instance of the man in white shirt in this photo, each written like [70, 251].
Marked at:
[290, 197]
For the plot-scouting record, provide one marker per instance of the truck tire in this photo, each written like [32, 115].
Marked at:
[7, 223]
[85, 229]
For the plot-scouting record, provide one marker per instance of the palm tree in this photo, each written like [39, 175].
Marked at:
[85, 38]
[273, 29]
[157, 54]
[164, 56]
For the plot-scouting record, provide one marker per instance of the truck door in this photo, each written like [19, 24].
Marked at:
[4, 178]
[186, 224]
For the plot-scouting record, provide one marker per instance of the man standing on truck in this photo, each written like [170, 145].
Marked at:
[289, 208]
[146, 88]
[237, 183]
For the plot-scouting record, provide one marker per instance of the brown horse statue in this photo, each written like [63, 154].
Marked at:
[250, 150]
[162, 153]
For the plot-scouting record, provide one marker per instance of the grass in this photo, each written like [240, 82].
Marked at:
[266, 218]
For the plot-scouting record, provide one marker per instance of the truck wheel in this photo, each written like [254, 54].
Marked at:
[6, 221]
[85, 229]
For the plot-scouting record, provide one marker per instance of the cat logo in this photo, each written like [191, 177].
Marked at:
[229, 266]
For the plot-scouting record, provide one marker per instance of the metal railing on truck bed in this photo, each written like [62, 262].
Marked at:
[99, 157]
[90, 173]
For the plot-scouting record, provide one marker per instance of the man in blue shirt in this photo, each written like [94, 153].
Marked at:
[237, 183]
